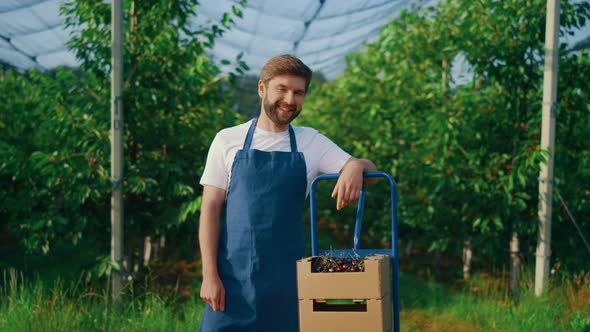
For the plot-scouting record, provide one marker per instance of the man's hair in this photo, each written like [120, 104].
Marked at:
[285, 64]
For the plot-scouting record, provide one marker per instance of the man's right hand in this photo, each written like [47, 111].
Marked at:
[213, 292]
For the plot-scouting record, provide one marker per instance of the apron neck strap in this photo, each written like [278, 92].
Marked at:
[248, 140]
[292, 139]
[250, 135]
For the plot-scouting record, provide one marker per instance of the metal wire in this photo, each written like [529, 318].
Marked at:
[354, 16]
[573, 220]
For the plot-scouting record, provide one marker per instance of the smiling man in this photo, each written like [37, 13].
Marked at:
[260, 172]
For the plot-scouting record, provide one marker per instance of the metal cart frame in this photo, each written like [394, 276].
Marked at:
[392, 253]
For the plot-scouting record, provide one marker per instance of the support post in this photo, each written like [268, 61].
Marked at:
[117, 145]
[547, 143]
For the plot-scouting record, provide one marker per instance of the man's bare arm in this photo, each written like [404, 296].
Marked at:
[212, 290]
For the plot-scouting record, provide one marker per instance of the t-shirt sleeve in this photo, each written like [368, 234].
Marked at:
[215, 173]
[333, 157]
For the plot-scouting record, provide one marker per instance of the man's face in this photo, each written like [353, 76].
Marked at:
[282, 98]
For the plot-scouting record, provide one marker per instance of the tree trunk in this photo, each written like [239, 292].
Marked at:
[467, 254]
[157, 244]
[409, 245]
[515, 264]
[136, 255]
[147, 250]
[436, 262]
[133, 17]
[162, 246]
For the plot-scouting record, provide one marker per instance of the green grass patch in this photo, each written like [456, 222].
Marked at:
[479, 305]
[430, 306]
[38, 307]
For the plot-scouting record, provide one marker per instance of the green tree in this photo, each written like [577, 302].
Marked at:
[174, 103]
[465, 156]
[53, 179]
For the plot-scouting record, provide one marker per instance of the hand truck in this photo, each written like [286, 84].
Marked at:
[357, 251]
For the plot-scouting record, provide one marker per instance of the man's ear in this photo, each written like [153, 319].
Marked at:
[261, 88]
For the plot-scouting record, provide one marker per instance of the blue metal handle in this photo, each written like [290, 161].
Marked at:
[359, 214]
[393, 253]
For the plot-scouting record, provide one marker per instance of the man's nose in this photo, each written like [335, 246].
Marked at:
[289, 98]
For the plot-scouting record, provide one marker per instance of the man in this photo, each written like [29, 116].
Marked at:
[262, 170]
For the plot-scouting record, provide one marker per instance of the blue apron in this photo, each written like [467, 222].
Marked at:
[260, 241]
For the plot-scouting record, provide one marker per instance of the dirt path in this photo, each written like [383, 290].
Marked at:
[419, 320]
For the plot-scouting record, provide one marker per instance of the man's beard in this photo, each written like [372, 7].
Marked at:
[272, 111]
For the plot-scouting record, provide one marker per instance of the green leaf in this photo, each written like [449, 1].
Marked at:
[236, 11]
[226, 20]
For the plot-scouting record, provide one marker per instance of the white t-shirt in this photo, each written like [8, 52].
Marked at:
[320, 153]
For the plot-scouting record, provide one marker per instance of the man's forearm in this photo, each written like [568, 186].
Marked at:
[364, 165]
[368, 166]
[209, 241]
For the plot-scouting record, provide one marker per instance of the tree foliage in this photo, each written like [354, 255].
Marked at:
[55, 142]
[465, 155]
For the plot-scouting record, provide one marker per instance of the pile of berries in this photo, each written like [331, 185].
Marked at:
[322, 264]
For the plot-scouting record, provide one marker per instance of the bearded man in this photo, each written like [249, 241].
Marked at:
[260, 173]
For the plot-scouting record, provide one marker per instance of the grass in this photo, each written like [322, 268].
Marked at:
[484, 304]
[39, 307]
[479, 305]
